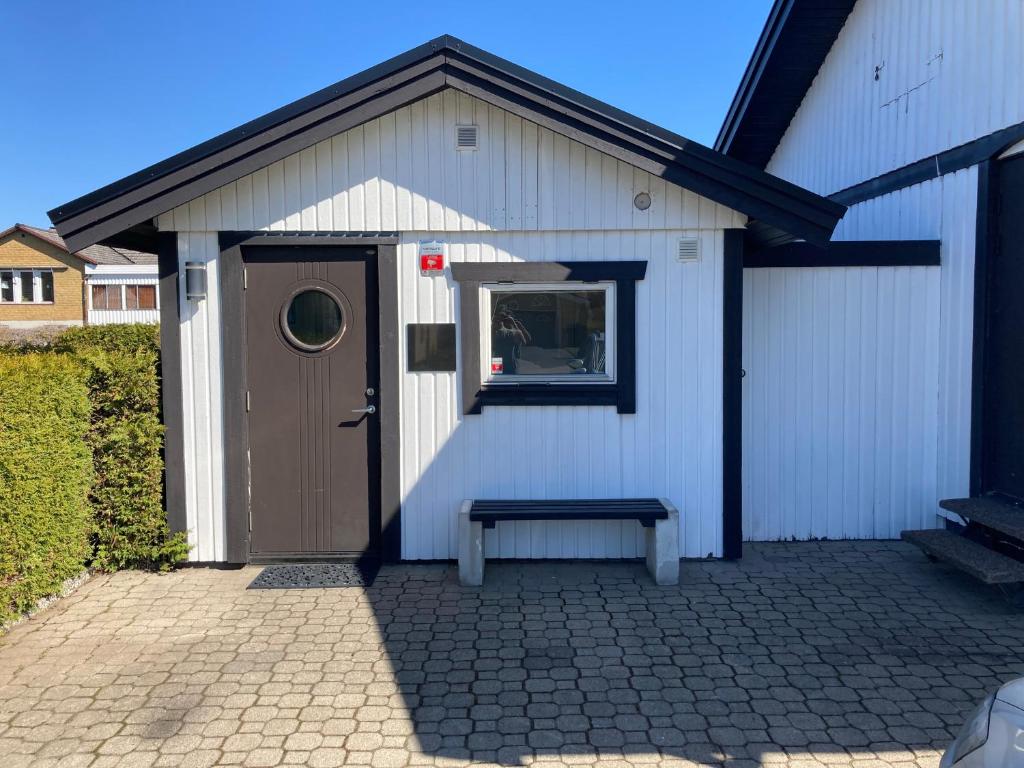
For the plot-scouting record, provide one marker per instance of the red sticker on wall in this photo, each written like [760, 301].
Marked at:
[431, 257]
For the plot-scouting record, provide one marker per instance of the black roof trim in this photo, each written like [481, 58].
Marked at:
[443, 63]
[847, 253]
[793, 45]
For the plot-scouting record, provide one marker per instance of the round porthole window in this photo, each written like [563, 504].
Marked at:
[313, 320]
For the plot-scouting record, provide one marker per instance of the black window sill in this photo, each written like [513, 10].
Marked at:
[545, 394]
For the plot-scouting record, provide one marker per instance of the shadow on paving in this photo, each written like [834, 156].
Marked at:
[799, 649]
[819, 654]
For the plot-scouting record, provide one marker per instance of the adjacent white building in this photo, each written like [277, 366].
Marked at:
[865, 397]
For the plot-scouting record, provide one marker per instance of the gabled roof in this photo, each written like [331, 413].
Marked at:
[94, 254]
[793, 45]
[126, 207]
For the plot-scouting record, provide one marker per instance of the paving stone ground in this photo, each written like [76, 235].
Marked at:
[815, 654]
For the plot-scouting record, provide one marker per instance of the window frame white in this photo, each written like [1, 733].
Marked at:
[37, 285]
[564, 286]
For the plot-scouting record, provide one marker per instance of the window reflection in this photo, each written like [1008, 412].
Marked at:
[549, 333]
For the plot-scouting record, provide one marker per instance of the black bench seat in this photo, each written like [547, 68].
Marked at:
[659, 518]
[645, 511]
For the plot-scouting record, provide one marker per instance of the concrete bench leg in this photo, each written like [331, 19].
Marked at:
[471, 549]
[663, 547]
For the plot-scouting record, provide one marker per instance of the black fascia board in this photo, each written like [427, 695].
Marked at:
[793, 45]
[847, 253]
[444, 62]
[247, 130]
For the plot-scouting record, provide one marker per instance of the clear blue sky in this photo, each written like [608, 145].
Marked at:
[96, 90]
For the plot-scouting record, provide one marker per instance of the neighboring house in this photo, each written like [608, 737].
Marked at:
[902, 376]
[42, 283]
[445, 278]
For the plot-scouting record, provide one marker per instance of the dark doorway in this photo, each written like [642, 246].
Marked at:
[311, 326]
[1002, 450]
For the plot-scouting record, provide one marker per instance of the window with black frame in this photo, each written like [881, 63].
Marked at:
[548, 333]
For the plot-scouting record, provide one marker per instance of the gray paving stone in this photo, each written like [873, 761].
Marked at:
[832, 654]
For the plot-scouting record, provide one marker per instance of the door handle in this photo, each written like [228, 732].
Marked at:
[367, 409]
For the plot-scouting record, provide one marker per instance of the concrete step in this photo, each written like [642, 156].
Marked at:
[969, 556]
[990, 512]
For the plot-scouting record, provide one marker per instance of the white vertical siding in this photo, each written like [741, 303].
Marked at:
[671, 447]
[402, 172]
[201, 374]
[944, 209]
[950, 71]
[839, 401]
[107, 317]
[858, 388]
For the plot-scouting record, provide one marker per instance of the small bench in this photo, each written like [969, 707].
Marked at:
[658, 517]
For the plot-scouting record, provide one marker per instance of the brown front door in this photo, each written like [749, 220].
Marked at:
[311, 367]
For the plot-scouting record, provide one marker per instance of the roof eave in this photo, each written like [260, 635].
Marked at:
[793, 45]
[445, 62]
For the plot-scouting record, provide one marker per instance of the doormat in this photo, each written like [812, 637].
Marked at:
[315, 576]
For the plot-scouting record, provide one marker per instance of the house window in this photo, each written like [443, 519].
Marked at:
[140, 297]
[106, 297]
[557, 333]
[26, 286]
[548, 333]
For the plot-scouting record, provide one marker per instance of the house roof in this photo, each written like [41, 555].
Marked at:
[793, 45]
[125, 208]
[93, 254]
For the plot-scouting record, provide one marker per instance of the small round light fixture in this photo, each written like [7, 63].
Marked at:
[642, 201]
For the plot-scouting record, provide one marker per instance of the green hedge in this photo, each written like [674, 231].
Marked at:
[45, 476]
[121, 363]
[81, 463]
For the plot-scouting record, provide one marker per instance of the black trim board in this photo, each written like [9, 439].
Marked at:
[171, 401]
[933, 166]
[986, 236]
[794, 42]
[443, 63]
[235, 423]
[621, 394]
[848, 253]
[732, 395]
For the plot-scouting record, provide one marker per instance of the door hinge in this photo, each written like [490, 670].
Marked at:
[245, 278]
[248, 403]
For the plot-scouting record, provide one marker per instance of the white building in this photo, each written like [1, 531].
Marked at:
[880, 383]
[123, 292]
[448, 278]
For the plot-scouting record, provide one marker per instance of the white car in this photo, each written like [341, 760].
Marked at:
[993, 735]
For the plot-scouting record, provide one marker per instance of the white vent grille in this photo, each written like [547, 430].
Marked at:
[465, 137]
[688, 249]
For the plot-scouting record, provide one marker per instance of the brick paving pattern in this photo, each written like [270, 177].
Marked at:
[817, 654]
